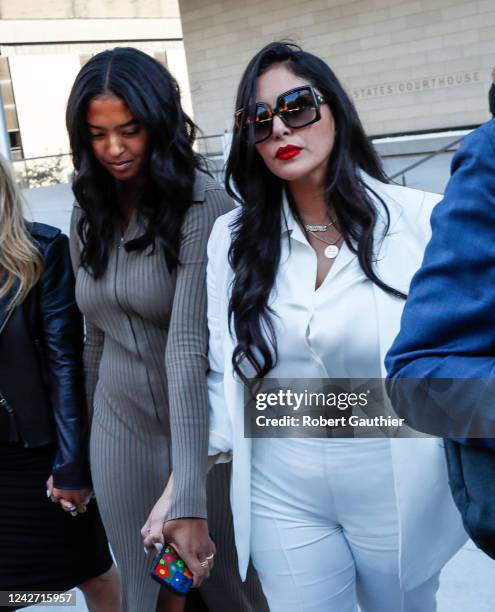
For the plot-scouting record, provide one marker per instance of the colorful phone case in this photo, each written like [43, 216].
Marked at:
[171, 571]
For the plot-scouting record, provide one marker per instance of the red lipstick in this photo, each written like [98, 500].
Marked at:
[287, 152]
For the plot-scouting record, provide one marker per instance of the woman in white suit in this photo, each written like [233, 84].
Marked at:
[307, 279]
[312, 273]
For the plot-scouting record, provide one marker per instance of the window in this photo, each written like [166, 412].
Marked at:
[10, 110]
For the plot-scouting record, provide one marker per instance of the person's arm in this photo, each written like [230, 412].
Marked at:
[186, 365]
[93, 336]
[190, 535]
[220, 441]
[187, 362]
[61, 337]
[448, 324]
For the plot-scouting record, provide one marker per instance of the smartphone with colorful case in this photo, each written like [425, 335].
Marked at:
[170, 570]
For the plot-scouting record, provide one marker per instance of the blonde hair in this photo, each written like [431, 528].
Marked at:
[20, 260]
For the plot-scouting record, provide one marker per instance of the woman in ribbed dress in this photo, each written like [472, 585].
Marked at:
[144, 210]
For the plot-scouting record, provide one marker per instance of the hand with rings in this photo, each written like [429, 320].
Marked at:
[189, 536]
[191, 540]
[73, 501]
[206, 561]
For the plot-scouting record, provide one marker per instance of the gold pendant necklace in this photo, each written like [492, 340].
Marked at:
[332, 250]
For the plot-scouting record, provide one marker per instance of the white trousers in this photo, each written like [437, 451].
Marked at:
[324, 531]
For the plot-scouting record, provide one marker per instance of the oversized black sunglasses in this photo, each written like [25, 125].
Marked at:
[297, 108]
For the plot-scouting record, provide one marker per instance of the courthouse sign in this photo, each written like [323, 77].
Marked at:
[422, 84]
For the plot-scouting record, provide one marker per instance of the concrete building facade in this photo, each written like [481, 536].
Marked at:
[410, 65]
[88, 9]
[43, 46]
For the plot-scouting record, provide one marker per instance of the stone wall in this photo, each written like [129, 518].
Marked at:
[410, 65]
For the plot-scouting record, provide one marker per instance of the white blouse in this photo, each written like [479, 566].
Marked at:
[329, 332]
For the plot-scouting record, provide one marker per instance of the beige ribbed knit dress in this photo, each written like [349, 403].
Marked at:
[145, 362]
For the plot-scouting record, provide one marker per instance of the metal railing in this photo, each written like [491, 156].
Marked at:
[447, 148]
[47, 170]
[215, 149]
[210, 145]
[52, 169]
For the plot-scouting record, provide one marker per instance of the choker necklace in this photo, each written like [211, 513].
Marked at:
[319, 228]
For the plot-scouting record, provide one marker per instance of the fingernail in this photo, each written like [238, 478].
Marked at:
[146, 551]
[158, 546]
[48, 494]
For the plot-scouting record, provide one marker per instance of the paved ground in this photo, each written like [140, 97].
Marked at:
[50, 205]
[468, 580]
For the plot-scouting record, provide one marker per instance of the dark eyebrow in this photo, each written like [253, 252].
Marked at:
[122, 125]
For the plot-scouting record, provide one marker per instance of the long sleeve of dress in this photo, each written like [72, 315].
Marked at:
[186, 358]
[93, 336]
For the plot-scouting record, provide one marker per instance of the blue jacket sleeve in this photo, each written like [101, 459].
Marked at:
[448, 324]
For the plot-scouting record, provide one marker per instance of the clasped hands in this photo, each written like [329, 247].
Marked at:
[189, 537]
[73, 501]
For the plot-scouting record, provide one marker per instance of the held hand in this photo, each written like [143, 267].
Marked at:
[152, 530]
[191, 540]
[73, 501]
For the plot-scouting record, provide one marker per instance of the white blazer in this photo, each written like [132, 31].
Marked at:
[430, 526]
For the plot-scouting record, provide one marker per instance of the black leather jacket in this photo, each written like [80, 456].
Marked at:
[41, 373]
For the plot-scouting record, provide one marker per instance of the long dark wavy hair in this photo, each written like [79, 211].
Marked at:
[255, 250]
[153, 97]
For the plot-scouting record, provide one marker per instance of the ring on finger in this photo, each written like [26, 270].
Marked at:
[210, 557]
